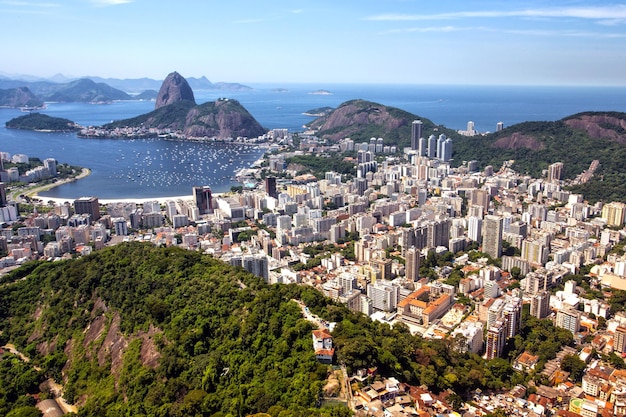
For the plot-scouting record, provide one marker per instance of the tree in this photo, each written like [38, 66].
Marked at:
[575, 366]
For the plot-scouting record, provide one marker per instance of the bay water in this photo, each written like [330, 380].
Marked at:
[150, 168]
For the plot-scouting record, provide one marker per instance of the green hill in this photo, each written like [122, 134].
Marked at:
[221, 118]
[576, 141]
[139, 330]
[361, 120]
[38, 121]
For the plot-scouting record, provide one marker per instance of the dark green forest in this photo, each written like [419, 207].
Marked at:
[561, 143]
[38, 121]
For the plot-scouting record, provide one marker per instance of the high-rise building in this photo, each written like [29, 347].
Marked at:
[88, 205]
[470, 128]
[540, 305]
[613, 213]
[412, 264]
[422, 146]
[416, 134]
[619, 340]
[51, 165]
[3, 195]
[203, 197]
[555, 171]
[492, 236]
[384, 295]
[440, 142]
[360, 185]
[432, 146]
[270, 187]
[496, 338]
[475, 228]
[568, 318]
[446, 150]
[499, 126]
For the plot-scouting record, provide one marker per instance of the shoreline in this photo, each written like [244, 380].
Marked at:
[34, 193]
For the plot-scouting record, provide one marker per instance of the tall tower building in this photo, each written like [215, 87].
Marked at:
[422, 146]
[540, 305]
[3, 195]
[496, 338]
[413, 264]
[440, 142]
[416, 134]
[474, 228]
[446, 150]
[555, 172]
[613, 213]
[88, 205]
[619, 341]
[203, 199]
[568, 318]
[432, 146]
[492, 236]
[270, 187]
[470, 128]
[51, 165]
[499, 126]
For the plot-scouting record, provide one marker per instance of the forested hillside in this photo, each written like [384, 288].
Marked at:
[136, 330]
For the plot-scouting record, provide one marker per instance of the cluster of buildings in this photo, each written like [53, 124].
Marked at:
[395, 213]
[46, 171]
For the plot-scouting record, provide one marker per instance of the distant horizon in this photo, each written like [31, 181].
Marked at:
[69, 78]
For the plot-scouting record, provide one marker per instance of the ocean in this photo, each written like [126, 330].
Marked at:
[157, 168]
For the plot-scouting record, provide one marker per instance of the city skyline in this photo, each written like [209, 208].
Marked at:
[395, 42]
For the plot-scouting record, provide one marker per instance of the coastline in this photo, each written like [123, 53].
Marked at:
[34, 193]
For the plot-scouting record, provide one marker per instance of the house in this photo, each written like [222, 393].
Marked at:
[323, 346]
[525, 362]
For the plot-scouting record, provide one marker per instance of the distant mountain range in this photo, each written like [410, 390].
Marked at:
[90, 89]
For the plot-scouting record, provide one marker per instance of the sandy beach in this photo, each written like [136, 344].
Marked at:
[34, 193]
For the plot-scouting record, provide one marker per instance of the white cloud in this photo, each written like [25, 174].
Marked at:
[28, 4]
[110, 2]
[523, 32]
[595, 13]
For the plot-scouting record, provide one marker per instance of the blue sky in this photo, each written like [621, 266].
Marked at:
[321, 41]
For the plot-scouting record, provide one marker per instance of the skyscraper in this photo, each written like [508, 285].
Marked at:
[412, 264]
[555, 171]
[470, 128]
[203, 198]
[416, 134]
[540, 304]
[270, 187]
[492, 236]
[88, 205]
[619, 340]
[446, 150]
[613, 213]
[496, 337]
[499, 126]
[432, 146]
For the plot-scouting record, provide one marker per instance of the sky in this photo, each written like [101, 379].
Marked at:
[471, 42]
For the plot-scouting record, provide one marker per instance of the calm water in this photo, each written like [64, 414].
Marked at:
[153, 168]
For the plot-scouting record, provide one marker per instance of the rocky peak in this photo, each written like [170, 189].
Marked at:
[174, 89]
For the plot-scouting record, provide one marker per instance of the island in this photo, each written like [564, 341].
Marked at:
[319, 112]
[42, 123]
[321, 92]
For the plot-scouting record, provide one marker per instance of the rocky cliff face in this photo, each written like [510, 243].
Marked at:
[174, 89]
[19, 97]
[600, 125]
